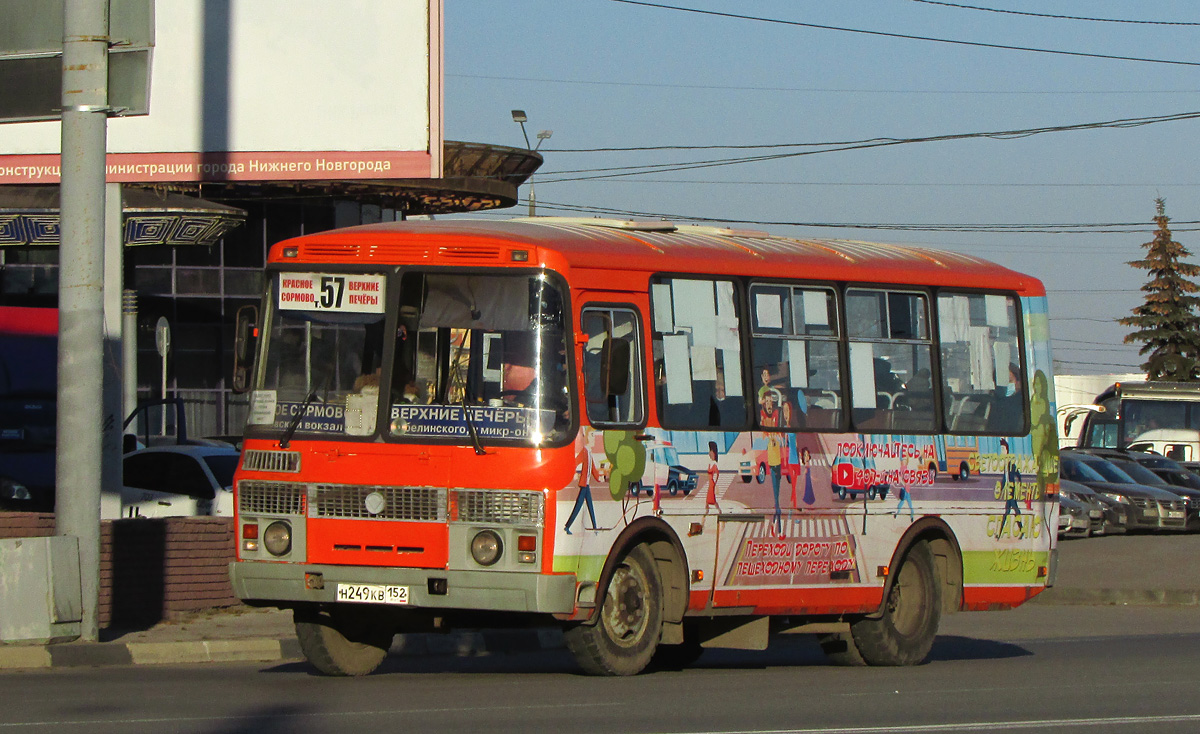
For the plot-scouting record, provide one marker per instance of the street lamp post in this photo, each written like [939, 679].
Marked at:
[521, 118]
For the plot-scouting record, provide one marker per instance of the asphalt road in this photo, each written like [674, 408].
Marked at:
[1048, 668]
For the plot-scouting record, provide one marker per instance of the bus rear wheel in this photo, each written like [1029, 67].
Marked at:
[343, 641]
[904, 633]
[623, 637]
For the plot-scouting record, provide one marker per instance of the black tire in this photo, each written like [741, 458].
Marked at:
[623, 637]
[761, 474]
[964, 471]
[343, 641]
[841, 493]
[673, 487]
[904, 634]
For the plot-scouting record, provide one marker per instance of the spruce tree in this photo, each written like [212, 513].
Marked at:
[1167, 322]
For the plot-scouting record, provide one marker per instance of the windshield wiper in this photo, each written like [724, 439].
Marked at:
[291, 429]
[471, 430]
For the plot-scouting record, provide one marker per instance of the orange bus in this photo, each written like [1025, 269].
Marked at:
[543, 422]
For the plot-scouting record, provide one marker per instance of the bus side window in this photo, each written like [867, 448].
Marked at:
[983, 384]
[891, 350]
[697, 354]
[612, 366]
[794, 355]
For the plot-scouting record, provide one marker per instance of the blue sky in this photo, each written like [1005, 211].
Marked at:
[605, 74]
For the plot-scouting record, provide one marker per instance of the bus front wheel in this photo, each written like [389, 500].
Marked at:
[904, 633]
[623, 637]
[343, 642]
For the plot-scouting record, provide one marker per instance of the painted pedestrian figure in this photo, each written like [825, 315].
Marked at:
[588, 470]
[1010, 478]
[710, 499]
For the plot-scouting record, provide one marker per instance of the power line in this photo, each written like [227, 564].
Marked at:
[908, 184]
[814, 90]
[992, 228]
[1056, 17]
[977, 44]
[1095, 364]
[621, 171]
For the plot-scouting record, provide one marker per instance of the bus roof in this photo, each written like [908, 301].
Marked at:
[652, 246]
[1158, 390]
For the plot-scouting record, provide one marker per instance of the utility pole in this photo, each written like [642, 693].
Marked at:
[81, 291]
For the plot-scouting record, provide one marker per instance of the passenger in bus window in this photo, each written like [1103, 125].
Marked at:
[1008, 413]
[518, 371]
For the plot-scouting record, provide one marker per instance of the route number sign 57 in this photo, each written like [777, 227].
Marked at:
[339, 292]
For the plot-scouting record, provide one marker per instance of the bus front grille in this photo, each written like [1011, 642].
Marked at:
[500, 507]
[278, 461]
[270, 498]
[379, 503]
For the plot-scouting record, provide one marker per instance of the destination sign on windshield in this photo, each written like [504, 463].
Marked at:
[343, 292]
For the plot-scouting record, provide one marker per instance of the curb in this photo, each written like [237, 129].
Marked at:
[265, 649]
[1133, 597]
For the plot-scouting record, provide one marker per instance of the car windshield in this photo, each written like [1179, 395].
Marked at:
[222, 466]
[1109, 471]
[1158, 462]
[1140, 474]
[1181, 478]
[1078, 471]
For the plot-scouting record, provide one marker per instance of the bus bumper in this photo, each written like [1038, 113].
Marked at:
[284, 583]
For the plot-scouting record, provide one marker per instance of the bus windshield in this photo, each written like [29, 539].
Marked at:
[473, 357]
[1143, 415]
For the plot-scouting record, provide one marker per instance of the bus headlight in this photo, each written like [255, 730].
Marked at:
[277, 538]
[486, 547]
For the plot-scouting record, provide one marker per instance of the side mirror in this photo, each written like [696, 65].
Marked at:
[245, 338]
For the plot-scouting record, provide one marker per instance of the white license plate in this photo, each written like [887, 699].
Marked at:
[372, 593]
[1174, 514]
[1096, 513]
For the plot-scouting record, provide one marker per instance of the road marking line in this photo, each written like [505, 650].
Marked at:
[973, 725]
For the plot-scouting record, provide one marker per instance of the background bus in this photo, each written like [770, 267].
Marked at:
[28, 381]
[447, 419]
[1150, 414]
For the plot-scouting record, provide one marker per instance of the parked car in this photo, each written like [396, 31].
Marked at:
[174, 481]
[1073, 520]
[1146, 508]
[1105, 515]
[1158, 471]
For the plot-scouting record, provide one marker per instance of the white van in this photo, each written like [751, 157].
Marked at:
[1180, 444]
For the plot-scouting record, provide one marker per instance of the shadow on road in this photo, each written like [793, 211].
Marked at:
[950, 647]
[793, 652]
